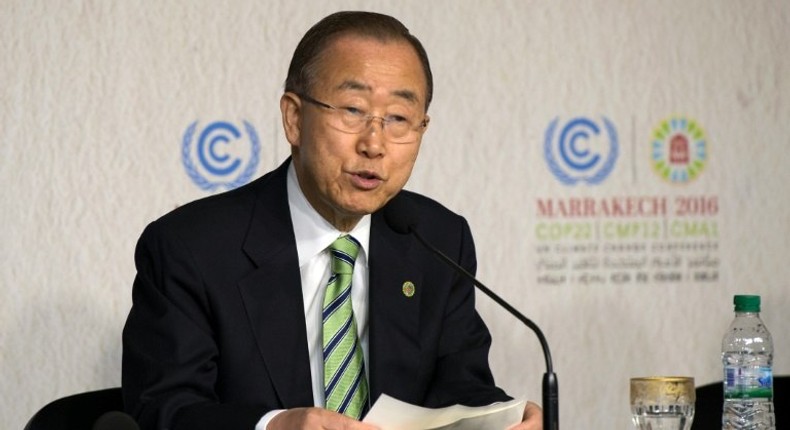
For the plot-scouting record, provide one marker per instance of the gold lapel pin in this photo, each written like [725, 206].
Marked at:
[408, 288]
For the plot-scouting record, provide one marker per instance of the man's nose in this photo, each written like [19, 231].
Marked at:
[371, 141]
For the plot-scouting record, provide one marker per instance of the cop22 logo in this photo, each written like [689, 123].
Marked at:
[679, 149]
[222, 156]
[581, 150]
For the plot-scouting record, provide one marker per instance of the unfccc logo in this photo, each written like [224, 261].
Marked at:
[221, 156]
[582, 150]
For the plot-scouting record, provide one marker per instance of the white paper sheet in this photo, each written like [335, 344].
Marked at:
[392, 414]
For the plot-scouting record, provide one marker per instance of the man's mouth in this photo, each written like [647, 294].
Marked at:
[368, 175]
[366, 179]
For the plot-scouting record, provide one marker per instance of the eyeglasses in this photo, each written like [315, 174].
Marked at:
[396, 128]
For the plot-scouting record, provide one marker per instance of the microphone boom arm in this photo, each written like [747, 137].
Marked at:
[550, 385]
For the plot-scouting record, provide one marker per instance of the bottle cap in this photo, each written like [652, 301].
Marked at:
[747, 303]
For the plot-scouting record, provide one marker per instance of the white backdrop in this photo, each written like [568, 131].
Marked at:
[95, 98]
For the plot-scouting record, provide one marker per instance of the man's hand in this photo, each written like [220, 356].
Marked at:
[532, 418]
[316, 419]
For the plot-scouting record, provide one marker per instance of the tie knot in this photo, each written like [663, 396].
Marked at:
[344, 252]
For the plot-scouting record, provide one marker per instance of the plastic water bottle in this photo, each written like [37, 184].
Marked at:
[747, 355]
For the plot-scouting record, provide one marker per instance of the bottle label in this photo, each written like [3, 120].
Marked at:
[748, 382]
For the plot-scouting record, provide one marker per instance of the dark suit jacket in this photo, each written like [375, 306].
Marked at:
[216, 335]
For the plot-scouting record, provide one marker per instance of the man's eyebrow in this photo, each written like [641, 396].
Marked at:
[354, 85]
[408, 95]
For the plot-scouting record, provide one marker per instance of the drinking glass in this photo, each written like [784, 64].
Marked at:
[662, 402]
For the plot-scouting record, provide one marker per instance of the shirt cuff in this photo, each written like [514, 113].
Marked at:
[264, 422]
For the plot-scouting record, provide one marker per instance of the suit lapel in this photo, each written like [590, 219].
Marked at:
[272, 293]
[394, 317]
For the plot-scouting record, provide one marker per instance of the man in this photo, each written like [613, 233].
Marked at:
[235, 295]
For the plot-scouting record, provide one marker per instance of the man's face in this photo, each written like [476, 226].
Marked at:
[345, 175]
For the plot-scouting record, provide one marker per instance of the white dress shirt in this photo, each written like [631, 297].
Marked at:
[313, 235]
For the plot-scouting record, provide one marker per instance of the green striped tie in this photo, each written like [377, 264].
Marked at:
[345, 385]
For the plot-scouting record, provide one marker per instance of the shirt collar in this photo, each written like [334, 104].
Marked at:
[313, 233]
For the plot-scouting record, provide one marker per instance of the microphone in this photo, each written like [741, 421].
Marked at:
[115, 420]
[401, 216]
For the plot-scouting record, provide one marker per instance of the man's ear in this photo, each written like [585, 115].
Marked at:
[291, 109]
